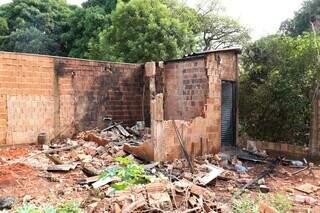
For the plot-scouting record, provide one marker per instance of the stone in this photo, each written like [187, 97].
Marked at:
[307, 188]
[7, 202]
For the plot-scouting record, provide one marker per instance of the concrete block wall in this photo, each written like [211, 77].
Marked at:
[62, 95]
[197, 114]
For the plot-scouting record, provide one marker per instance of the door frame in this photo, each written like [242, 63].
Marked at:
[234, 111]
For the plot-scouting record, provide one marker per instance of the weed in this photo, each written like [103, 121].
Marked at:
[69, 207]
[281, 203]
[49, 209]
[245, 205]
[28, 208]
[125, 161]
[129, 172]
[250, 204]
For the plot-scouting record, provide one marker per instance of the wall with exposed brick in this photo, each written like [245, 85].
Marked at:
[62, 95]
[191, 99]
[186, 89]
[98, 90]
[290, 150]
[26, 97]
[3, 119]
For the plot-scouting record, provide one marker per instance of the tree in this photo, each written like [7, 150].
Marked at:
[34, 26]
[3, 26]
[300, 23]
[31, 40]
[275, 88]
[107, 5]
[133, 31]
[144, 30]
[189, 17]
[218, 31]
[85, 26]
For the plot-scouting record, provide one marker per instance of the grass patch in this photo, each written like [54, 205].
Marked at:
[250, 204]
[67, 207]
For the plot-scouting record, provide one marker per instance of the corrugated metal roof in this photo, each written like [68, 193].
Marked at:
[197, 55]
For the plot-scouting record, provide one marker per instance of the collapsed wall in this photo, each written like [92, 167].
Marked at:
[190, 97]
[62, 95]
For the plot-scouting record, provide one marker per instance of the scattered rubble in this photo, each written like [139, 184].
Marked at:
[6, 202]
[110, 171]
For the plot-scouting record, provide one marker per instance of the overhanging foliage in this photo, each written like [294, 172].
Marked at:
[276, 88]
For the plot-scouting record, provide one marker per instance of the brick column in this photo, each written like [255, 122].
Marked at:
[156, 110]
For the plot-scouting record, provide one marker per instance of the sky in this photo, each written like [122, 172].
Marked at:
[262, 17]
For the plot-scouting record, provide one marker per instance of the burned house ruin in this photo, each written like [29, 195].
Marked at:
[61, 96]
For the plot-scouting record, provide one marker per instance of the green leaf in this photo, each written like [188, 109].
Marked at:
[125, 161]
[120, 186]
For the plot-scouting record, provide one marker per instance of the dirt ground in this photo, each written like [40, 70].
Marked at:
[26, 181]
[22, 180]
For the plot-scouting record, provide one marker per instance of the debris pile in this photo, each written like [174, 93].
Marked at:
[108, 171]
[180, 196]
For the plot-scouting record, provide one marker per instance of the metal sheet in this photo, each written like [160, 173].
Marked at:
[228, 113]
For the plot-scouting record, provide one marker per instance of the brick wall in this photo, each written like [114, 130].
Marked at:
[62, 95]
[192, 97]
[3, 119]
[290, 150]
[26, 97]
[186, 89]
[99, 89]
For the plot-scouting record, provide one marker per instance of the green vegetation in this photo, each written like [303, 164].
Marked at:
[300, 23]
[281, 203]
[67, 207]
[275, 89]
[85, 26]
[216, 30]
[278, 79]
[129, 172]
[118, 30]
[245, 204]
[250, 204]
[35, 26]
[145, 30]
[28, 208]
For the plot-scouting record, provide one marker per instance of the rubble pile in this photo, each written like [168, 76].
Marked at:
[181, 196]
[105, 170]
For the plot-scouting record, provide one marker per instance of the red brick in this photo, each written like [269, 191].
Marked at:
[32, 76]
